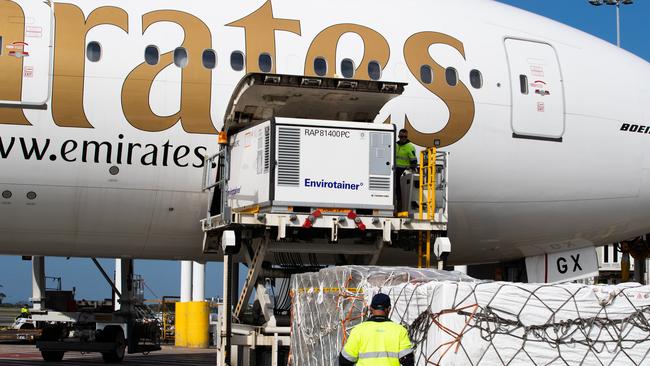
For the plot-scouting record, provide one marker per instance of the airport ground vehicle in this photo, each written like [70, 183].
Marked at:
[302, 169]
[111, 327]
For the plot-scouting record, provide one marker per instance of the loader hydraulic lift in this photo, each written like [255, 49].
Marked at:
[304, 178]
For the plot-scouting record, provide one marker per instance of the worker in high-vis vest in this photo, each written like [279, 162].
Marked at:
[405, 159]
[378, 341]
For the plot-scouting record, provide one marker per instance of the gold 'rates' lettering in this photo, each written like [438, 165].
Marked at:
[12, 29]
[196, 81]
[194, 114]
[375, 48]
[260, 27]
[70, 59]
[457, 98]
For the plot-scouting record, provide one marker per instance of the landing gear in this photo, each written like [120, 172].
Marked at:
[639, 249]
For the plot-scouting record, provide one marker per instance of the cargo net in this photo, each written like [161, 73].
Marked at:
[453, 319]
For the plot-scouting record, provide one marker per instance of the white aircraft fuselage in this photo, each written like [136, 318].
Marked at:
[548, 141]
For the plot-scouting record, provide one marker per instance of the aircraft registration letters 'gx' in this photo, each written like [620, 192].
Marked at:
[107, 109]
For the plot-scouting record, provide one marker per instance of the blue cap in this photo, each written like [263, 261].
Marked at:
[380, 302]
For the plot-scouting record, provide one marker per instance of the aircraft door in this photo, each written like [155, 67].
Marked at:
[537, 90]
[26, 39]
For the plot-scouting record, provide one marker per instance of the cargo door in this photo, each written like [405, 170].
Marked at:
[26, 38]
[537, 90]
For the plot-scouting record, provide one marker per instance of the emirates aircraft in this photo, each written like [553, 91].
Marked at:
[107, 108]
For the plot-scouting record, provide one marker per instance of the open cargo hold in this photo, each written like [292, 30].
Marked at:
[456, 320]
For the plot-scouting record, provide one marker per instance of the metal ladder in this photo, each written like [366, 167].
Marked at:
[251, 278]
[428, 180]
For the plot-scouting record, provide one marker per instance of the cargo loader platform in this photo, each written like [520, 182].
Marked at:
[300, 158]
[304, 179]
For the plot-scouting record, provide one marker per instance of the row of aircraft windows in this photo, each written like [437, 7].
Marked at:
[374, 71]
[181, 58]
[451, 76]
[265, 63]
[347, 68]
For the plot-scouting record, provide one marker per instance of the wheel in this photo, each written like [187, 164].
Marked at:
[53, 333]
[114, 334]
[52, 356]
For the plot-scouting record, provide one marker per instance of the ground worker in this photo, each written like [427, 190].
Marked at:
[24, 312]
[378, 341]
[405, 159]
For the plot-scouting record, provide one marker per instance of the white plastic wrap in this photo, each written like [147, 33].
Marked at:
[455, 320]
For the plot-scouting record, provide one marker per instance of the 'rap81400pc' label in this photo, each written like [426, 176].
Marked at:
[323, 132]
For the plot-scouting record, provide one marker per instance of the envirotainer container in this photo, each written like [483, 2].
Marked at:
[291, 163]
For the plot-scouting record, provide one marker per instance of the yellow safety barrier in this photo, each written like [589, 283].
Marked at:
[198, 316]
[192, 323]
[180, 325]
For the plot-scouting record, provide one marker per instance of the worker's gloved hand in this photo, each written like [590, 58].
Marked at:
[408, 360]
[344, 362]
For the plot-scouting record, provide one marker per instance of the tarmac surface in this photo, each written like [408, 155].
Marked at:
[28, 354]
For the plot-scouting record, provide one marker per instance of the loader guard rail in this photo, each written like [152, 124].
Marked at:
[433, 178]
[215, 175]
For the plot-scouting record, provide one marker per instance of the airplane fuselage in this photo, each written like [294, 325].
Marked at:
[547, 143]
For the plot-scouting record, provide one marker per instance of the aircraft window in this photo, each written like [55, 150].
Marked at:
[426, 74]
[209, 59]
[374, 70]
[320, 66]
[151, 55]
[265, 62]
[347, 68]
[523, 84]
[452, 76]
[237, 60]
[476, 79]
[93, 51]
[180, 57]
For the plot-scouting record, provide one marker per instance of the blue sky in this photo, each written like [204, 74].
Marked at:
[163, 276]
[598, 20]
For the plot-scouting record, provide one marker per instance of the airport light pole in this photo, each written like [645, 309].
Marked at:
[618, 4]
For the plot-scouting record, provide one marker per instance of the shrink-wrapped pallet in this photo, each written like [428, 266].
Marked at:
[456, 320]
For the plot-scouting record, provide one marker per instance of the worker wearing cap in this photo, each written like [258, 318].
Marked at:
[405, 158]
[378, 341]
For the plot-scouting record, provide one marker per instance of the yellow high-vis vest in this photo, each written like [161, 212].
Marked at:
[377, 343]
[405, 156]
